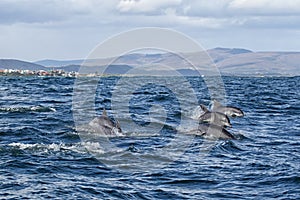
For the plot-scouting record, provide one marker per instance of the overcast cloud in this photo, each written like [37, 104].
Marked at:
[66, 29]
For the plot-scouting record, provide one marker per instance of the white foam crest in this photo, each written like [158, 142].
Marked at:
[22, 146]
[82, 147]
[93, 147]
[27, 108]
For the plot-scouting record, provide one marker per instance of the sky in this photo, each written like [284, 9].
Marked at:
[70, 29]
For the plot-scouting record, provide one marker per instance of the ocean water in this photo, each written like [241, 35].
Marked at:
[44, 153]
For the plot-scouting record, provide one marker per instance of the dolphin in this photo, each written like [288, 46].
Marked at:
[106, 126]
[215, 118]
[227, 110]
[213, 132]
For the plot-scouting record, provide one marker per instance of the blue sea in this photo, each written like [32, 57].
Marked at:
[45, 154]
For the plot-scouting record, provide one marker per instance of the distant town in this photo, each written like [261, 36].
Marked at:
[53, 72]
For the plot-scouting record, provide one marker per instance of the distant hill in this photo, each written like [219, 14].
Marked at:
[230, 51]
[230, 61]
[18, 64]
[111, 69]
[70, 68]
[58, 63]
[266, 63]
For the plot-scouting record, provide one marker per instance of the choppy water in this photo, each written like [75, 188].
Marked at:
[43, 155]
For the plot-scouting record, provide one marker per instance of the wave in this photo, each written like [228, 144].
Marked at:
[82, 147]
[24, 109]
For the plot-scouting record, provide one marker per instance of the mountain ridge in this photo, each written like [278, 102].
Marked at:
[20, 65]
[232, 61]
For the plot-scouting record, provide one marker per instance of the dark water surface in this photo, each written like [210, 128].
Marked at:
[43, 155]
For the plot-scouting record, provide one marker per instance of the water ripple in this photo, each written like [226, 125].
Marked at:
[42, 155]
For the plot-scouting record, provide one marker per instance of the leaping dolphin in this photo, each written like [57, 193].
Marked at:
[227, 110]
[104, 125]
[214, 132]
[216, 118]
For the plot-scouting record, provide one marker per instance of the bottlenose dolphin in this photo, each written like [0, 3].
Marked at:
[216, 118]
[227, 110]
[106, 126]
[213, 132]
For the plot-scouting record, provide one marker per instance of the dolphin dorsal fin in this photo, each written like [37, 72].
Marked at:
[216, 104]
[204, 108]
[104, 113]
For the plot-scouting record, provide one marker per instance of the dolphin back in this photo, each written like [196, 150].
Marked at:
[105, 126]
[227, 110]
[215, 118]
[214, 132]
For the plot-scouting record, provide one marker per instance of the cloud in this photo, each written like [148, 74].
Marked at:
[266, 7]
[60, 25]
[238, 8]
[204, 8]
[213, 13]
[145, 6]
[45, 11]
[170, 13]
[28, 12]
